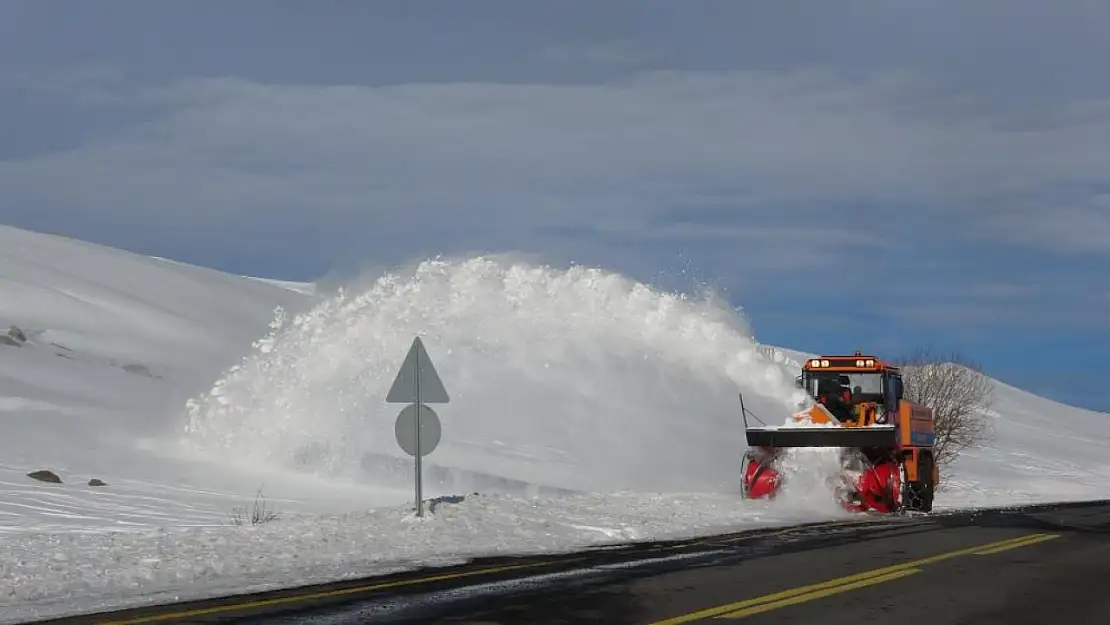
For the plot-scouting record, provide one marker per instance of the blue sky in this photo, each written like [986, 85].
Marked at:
[855, 174]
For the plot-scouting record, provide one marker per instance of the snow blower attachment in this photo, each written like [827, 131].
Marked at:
[885, 441]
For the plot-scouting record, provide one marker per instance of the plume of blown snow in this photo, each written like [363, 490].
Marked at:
[577, 378]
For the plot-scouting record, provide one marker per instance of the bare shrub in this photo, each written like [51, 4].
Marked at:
[259, 514]
[958, 393]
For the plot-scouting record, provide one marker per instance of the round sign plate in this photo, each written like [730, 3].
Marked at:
[430, 430]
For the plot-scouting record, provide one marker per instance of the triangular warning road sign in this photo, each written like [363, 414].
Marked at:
[403, 390]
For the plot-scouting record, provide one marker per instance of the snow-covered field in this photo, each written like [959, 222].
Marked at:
[585, 409]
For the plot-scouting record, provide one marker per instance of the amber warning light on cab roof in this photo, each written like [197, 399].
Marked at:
[856, 361]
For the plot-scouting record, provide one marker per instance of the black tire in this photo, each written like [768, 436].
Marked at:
[918, 495]
[925, 469]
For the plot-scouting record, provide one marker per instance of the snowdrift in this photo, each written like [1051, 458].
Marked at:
[579, 380]
[586, 408]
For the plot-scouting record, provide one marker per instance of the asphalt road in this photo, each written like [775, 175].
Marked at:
[1048, 564]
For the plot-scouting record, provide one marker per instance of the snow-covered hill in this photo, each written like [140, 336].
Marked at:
[585, 407]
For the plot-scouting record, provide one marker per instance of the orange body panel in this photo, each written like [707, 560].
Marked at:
[816, 414]
[915, 422]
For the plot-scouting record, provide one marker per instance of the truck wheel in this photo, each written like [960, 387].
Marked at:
[928, 488]
[919, 494]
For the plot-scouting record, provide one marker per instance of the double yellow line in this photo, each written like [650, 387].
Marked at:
[802, 594]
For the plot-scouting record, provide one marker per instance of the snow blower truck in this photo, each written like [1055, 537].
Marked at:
[885, 442]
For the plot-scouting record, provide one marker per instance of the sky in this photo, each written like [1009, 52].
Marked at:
[874, 175]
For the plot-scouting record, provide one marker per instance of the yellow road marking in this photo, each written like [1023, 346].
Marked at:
[263, 603]
[881, 575]
[1030, 540]
[769, 602]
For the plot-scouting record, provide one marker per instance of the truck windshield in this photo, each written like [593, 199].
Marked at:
[870, 384]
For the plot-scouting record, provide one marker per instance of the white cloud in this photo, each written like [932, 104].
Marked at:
[787, 151]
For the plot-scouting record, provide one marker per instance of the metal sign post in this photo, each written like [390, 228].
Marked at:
[418, 429]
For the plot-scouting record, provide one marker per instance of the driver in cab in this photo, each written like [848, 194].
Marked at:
[836, 398]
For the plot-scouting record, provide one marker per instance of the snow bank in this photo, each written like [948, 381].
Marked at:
[1039, 450]
[50, 574]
